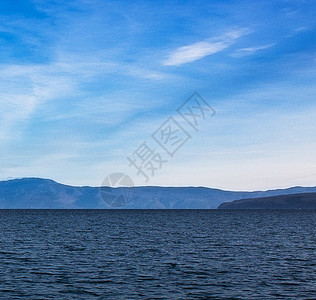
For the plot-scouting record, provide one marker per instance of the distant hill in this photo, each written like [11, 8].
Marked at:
[296, 201]
[45, 193]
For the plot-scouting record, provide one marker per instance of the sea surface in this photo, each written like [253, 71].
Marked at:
[157, 254]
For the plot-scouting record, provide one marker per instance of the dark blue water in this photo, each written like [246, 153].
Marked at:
[186, 254]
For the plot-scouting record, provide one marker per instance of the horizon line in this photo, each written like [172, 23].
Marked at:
[155, 186]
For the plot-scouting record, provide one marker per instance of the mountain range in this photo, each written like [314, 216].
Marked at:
[47, 194]
[292, 201]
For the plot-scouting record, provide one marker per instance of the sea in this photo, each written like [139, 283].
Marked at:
[158, 254]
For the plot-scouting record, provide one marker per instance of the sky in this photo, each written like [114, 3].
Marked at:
[86, 84]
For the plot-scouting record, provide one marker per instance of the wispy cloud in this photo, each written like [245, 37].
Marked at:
[251, 50]
[191, 53]
[24, 89]
[194, 52]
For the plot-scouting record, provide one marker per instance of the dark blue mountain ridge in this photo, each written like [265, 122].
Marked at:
[290, 201]
[46, 193]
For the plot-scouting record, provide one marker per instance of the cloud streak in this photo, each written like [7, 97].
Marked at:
[194, 52]
[251, 50]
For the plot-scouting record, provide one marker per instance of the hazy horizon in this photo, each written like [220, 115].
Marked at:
[160, 186]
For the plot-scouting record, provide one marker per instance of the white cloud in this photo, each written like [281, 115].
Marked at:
[251, 50]
[25, 88]
[190, 53]
[193, 52]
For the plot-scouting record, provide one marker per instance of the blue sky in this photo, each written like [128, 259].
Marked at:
[84, 83]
